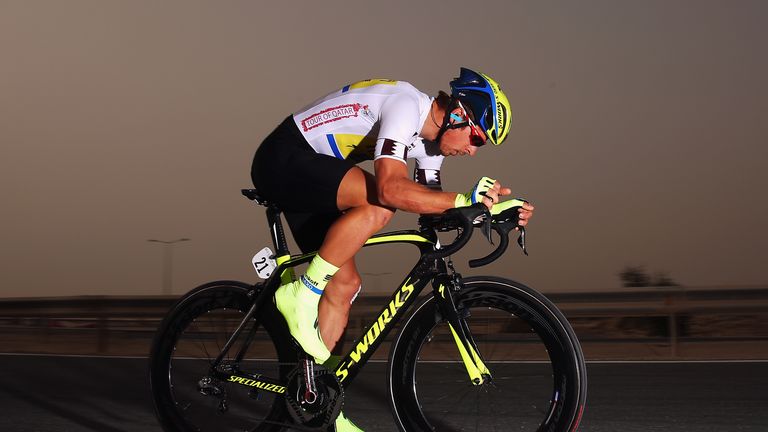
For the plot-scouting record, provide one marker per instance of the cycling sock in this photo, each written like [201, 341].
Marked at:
[318, 274]
[298, 301]
[332, 362]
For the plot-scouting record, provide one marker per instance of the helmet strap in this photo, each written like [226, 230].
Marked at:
[452, 105]
[432, 115]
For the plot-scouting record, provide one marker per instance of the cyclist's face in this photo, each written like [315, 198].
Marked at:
[461, 140]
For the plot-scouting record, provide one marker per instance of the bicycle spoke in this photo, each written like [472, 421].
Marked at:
[194, 399]
[520, 348]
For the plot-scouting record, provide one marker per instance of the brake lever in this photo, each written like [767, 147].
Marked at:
[487, 230]
[484, 222]
[521, 240]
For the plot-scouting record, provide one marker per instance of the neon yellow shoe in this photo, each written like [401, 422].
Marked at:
[297, 302]
[332, 362]
[343, 424]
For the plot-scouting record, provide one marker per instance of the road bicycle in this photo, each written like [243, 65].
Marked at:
[474, 353]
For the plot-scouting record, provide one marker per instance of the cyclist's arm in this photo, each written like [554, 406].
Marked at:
[396, 189]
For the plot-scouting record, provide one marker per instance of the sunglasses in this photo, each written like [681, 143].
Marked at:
[475, 136]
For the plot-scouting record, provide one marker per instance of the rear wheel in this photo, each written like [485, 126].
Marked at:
[538, 373]
[188, 394]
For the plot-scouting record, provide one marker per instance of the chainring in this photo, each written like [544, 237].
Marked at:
[330, 399]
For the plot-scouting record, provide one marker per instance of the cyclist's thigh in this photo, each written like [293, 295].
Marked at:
[309, 229]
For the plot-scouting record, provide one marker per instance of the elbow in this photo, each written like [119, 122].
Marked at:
[386, 199]
[386, 196]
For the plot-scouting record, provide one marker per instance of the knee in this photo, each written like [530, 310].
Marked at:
[379, 216]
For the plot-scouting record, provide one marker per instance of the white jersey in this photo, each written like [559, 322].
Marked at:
[354, 122]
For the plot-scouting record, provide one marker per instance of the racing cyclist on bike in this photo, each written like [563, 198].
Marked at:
[307, 167]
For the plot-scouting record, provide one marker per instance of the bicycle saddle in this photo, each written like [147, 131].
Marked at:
[253, 195]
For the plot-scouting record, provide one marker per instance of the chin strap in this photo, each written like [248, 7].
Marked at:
[453, 104]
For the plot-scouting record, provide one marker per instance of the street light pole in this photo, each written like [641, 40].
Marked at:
[168, 262]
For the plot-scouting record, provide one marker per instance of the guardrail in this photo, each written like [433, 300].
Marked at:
[666, 317]
[672, 314]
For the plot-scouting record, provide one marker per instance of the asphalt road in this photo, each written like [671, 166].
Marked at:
[91, 394]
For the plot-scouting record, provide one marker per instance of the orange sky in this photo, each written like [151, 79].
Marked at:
[640, 132]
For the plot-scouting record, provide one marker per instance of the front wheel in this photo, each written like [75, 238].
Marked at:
[538, 375]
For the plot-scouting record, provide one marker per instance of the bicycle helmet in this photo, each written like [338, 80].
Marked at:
[483, 96]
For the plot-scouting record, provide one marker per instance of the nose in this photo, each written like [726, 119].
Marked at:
[471, 150]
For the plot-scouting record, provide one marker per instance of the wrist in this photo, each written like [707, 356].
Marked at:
[461, 201]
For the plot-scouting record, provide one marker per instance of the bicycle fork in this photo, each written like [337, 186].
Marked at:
[444, 286]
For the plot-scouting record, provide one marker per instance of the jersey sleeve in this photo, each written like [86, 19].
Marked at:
[387, 148]
[427, 171]
[399, 127]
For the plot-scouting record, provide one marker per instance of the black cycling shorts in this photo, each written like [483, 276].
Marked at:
[303, 183]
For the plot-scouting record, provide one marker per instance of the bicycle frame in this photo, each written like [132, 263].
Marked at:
[428, 268]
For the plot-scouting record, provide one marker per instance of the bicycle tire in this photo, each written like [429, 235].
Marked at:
[191, 337]
[539, 376]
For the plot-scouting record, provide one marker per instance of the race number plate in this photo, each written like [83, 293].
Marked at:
[264, 263]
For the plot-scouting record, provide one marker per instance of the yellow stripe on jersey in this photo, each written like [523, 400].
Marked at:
[344, 144]
[368, 83]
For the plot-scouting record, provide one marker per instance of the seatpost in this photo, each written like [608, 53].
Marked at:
[276, 228]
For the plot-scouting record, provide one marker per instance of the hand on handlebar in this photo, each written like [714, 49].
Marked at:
[466, 219]
[486, 191]
[525, 209]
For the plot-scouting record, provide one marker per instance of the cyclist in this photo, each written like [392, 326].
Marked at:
[307, 166]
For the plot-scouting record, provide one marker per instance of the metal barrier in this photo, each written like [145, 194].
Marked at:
[665, 316]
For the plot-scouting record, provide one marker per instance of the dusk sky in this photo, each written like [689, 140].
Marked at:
[640, 133]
